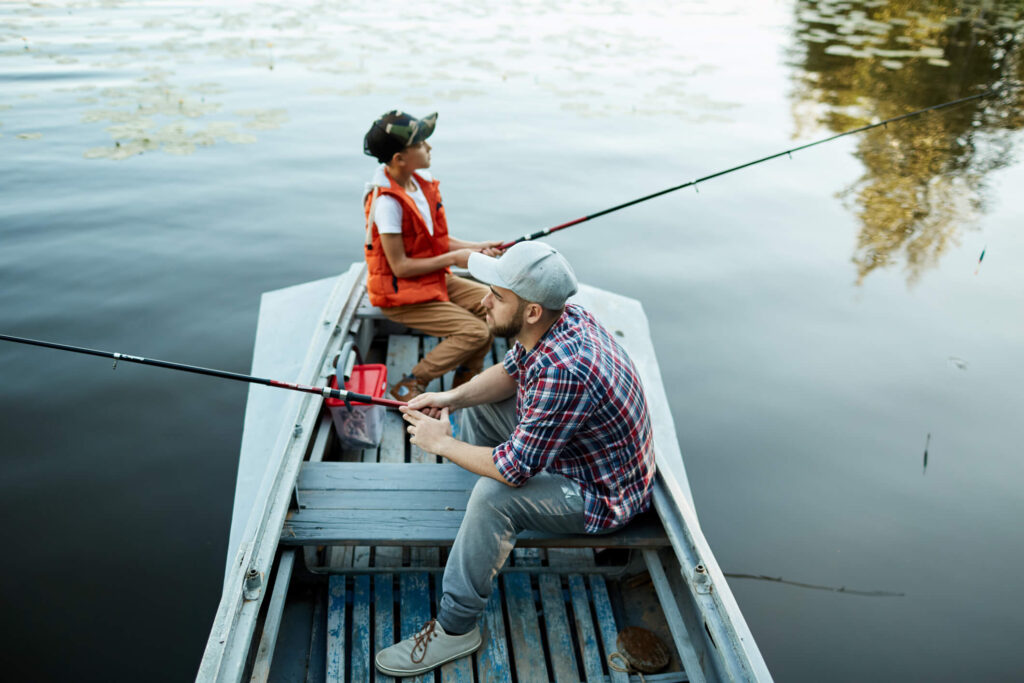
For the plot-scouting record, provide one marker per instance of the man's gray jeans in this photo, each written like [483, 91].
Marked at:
[495, 515]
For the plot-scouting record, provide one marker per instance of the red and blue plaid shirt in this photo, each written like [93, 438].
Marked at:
[581, 413]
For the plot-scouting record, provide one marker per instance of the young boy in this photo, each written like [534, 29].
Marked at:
[409, 251]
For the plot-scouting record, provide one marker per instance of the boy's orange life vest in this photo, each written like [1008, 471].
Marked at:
[384, 287]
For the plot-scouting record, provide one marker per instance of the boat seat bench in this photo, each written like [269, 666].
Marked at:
[412, 504]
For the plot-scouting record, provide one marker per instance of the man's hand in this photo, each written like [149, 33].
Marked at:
[426, 432]
[431, 403]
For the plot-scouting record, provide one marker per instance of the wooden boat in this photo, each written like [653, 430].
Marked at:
[336, 553]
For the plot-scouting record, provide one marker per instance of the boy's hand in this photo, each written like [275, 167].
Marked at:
[492, 248]
[461, 257]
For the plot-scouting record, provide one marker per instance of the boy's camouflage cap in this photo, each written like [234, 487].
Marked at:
[394, 131]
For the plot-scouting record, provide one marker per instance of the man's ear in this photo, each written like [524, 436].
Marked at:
[534, 312]
[397, 159]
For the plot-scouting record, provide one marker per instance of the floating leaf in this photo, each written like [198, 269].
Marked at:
[840, 50]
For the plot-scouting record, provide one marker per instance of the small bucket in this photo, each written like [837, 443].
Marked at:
[361, 425]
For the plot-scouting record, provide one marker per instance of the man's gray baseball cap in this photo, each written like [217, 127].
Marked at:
[533, 270]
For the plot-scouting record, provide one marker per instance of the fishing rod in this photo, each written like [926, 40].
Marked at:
[327, 392]
[787, 152]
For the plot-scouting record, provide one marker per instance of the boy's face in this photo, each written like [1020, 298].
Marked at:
[416, 156]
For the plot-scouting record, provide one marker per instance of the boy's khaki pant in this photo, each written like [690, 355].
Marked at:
[460, 322]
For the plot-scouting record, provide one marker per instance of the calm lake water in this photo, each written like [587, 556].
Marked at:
[820, 321]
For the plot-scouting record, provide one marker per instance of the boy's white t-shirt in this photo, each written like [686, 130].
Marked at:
[387, 213]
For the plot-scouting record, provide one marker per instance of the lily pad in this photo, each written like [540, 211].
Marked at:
[839, 50]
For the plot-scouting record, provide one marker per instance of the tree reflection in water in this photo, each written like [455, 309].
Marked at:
[925, 179]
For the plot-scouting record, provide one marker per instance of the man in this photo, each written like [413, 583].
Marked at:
[573, 453]
[408, 253]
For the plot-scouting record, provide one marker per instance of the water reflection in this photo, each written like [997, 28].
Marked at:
[925, 180]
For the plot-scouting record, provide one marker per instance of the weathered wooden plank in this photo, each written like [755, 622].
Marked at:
[339, 557]
[361, 556]
[556, 625]
[336, 630]
[574, 557]
[527, 557]
[414, 606]
[670, 607]
[524, 631]
[350, 476]
[272, 622]
[323, 436]
[361, 650]
[417, 454]
[492, 657]
[376, 500]
[316, 669]
[383, 616]
[424, 556]
[402, 355]
[460, 670]
[436, 527]
[606, 623]
[585, 633]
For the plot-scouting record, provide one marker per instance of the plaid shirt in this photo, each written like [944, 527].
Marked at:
[581, 413]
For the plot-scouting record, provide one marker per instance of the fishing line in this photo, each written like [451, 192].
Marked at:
[327, 392]
[787, 152]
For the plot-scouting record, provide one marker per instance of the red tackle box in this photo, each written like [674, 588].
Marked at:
[362, 425]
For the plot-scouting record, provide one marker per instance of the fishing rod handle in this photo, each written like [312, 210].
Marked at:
[546, 231]
[347, 396]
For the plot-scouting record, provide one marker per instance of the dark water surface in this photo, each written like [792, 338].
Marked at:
[818, 320]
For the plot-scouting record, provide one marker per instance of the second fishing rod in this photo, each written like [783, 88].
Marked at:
[754, 162]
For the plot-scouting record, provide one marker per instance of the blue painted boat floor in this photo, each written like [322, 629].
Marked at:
[542, 626]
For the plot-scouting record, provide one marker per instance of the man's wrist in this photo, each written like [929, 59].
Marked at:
[455, 398]
[446, 446]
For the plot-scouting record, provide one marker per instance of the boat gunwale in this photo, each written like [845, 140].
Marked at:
[227, 652]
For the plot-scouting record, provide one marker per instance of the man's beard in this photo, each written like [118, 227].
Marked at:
[512, 328]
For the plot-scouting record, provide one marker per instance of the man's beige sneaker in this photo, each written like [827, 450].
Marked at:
[429, 648]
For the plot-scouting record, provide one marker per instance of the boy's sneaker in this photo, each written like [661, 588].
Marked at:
[429, 648]
[408, 388]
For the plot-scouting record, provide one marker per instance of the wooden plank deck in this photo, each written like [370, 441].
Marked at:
[514, 640]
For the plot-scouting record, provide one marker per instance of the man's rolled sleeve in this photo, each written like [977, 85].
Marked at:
[553, 409]
[511, 361]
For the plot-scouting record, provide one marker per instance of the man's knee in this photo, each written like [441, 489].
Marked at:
[488, 495]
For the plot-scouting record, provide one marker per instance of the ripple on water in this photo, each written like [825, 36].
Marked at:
[341, 55]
